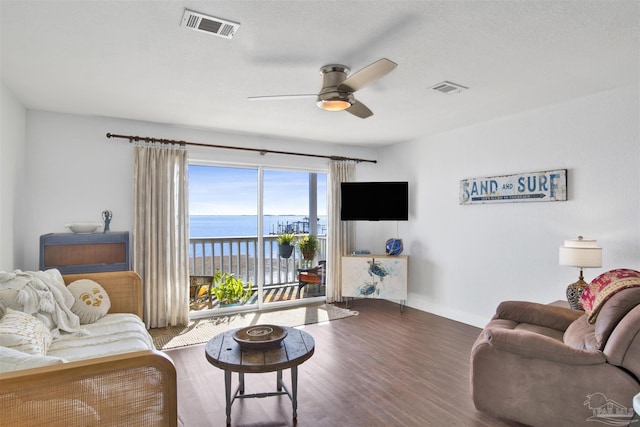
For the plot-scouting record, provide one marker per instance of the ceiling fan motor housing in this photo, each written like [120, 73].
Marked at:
[329, 97]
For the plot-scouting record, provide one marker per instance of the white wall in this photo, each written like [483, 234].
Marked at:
[12, 160]
[75, 172]
[464, 260]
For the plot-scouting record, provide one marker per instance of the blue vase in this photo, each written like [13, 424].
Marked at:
[394, 247]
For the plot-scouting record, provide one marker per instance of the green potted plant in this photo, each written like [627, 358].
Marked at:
[285, 244]
[229, 289]
[308, 246]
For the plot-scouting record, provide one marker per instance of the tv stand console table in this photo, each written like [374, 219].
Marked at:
[375, 276]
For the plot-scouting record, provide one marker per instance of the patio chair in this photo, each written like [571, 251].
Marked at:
[200, 292]
[311, 276]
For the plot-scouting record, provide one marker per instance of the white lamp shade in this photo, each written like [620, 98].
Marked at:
[580, 253]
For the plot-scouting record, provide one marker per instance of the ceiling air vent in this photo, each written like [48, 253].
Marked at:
[449, 88]
[209, 24]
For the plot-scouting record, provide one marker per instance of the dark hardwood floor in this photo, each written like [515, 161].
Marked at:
[380, 368]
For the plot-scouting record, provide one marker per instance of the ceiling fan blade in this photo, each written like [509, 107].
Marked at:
[358, 109]
[368, 74]
[281, 97]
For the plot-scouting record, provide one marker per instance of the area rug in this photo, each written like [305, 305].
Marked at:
[200, 331]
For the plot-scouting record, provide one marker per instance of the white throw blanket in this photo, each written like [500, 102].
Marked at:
[44, 294]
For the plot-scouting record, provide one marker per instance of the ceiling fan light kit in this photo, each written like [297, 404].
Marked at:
[333, 104]
[330, 98]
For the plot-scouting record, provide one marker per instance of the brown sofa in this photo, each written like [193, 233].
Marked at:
[545, 365]
[135, 388]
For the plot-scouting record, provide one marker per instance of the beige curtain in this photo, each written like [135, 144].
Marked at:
[341, 239]
[161, 233]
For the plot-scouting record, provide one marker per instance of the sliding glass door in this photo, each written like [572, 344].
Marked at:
[294, 203]
[236, 216]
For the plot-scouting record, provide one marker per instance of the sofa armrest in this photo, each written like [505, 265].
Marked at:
[137, 388]
[123, 287]
[554, 317]
[537, 346]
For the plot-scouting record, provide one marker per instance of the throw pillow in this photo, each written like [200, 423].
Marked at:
[604, 286]
[10, 286]
[23, 332]
[14, 360]
[91, 300]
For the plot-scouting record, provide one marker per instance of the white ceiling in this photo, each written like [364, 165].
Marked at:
[132, 59]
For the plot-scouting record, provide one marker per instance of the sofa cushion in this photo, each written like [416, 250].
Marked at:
[91, 300]
[548, 316]
[113, 334]
[23, 332]
[581, 335]
[14, 360]
[616, 308]
[536, 346]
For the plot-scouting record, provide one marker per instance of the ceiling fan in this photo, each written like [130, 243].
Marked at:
[338, 87]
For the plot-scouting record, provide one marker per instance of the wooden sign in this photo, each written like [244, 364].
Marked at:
[547, 186]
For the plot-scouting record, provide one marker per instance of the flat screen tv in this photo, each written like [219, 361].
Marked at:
[374, 201]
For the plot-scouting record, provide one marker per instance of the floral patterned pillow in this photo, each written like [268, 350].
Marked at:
[604, 286]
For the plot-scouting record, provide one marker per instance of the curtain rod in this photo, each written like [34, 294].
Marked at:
[132, 138]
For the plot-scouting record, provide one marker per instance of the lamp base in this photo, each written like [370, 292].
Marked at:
[574, 292]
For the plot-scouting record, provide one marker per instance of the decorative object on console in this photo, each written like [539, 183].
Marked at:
[83, 227]
[394, 246]
[106, 216]
[361, 252]
[581, 253]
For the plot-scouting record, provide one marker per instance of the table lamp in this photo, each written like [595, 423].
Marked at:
[581, 253]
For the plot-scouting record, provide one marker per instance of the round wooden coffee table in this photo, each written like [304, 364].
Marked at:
[225, 353]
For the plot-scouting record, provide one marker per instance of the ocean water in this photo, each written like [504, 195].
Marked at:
[247, 225]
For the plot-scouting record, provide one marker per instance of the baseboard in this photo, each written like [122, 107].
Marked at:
[449, 313]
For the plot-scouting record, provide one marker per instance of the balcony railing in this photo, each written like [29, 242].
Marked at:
[238, 256]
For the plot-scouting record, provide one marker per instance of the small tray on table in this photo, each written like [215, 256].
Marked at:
[260, 337]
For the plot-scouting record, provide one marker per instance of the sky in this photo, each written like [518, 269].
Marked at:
[217, 190]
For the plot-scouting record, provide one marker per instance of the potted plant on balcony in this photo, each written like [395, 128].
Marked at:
[285, 244]
[308, 246]
[229, 289]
